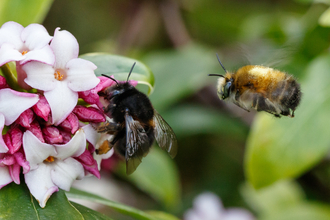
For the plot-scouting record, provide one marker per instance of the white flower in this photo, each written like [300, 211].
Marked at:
[12, 104]
[208, 206]
[52, 166]
[62, 81]
[25, 44]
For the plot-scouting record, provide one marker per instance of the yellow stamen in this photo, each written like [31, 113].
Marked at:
[50, 159]
[24, 52]
[58, 75]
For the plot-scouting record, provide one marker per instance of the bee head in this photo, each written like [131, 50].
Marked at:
[119, 88]
[224, 84]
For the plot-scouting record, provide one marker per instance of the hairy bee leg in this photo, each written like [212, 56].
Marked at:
[104, 148]
[109, 127]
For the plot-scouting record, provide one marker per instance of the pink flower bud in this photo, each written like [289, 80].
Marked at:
[3, 83]
[89, 114]
[91, 96]
[89, 163]
[42, 108]
[26, 118]
[71, 123]
[36, 130]
[52, 135]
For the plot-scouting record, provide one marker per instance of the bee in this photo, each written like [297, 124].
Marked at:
[261, 88]
[135, 126]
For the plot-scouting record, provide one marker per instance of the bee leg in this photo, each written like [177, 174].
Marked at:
[109, 127]
[104, 148]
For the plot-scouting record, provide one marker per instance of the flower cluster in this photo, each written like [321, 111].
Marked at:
[44, 131]
[207, 206]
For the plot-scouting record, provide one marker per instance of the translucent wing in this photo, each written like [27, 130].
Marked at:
[137, 144]
[164, 135]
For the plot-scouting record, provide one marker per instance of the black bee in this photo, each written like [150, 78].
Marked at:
[136, 124]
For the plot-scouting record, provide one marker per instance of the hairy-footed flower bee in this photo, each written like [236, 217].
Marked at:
[260, 88]
[136, 124]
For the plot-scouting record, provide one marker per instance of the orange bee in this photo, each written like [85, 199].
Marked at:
[261, 88]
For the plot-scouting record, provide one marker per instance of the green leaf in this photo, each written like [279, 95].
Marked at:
[304, 211]
[119, 67]
[287, 147]
[179, 73]
[193, 119]
[281, 195]
[158, 176]
[24, 12]
[162, 215]
[324, 19]
[17, 203]
[89, 213]
[126, 210]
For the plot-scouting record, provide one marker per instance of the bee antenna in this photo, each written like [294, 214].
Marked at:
[129, 74]
[110, 78]
[221, 63]
[216, 75]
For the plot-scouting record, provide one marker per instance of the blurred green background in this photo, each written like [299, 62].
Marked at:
[222, 148]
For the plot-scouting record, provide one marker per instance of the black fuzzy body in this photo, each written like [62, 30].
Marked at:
[130, 101]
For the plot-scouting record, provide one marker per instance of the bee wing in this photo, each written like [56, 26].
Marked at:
[137, 144]
[164, 135]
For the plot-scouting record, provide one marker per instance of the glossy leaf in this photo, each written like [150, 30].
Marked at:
[119, 67]
[126, 210]
[24, 12]
[287, 147]
[304, 211]
[281, 195]
[89, 213]
[162, 215]
[17, 203]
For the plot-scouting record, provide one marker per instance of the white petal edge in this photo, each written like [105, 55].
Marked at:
[74, 148]
[13, 103]
[65, 47]
[3, 146]
[65, 172]
[62, 101]
[81, 76]
[8, 53]
[10, 32]
[35, 36]
[5, 177]
[40, 183]
[92, 135]
[36, 151]
[40, 76]
[44, 55]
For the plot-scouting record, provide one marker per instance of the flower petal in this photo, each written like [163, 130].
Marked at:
[65, 172]
[81, 75]
[35, 36]
[40, 75]
[14, 172]
[71, 123]
[62, 101]
[74, 148]
[40, 183]
[5, 177]
[36, 151]
[10, 98]
[9, 53]
[65, 47]
[89, 114]
[10, 32]
[44, 55]
[92, 135]
[3, 146]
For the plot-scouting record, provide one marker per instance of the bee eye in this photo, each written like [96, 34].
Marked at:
[226, 90]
